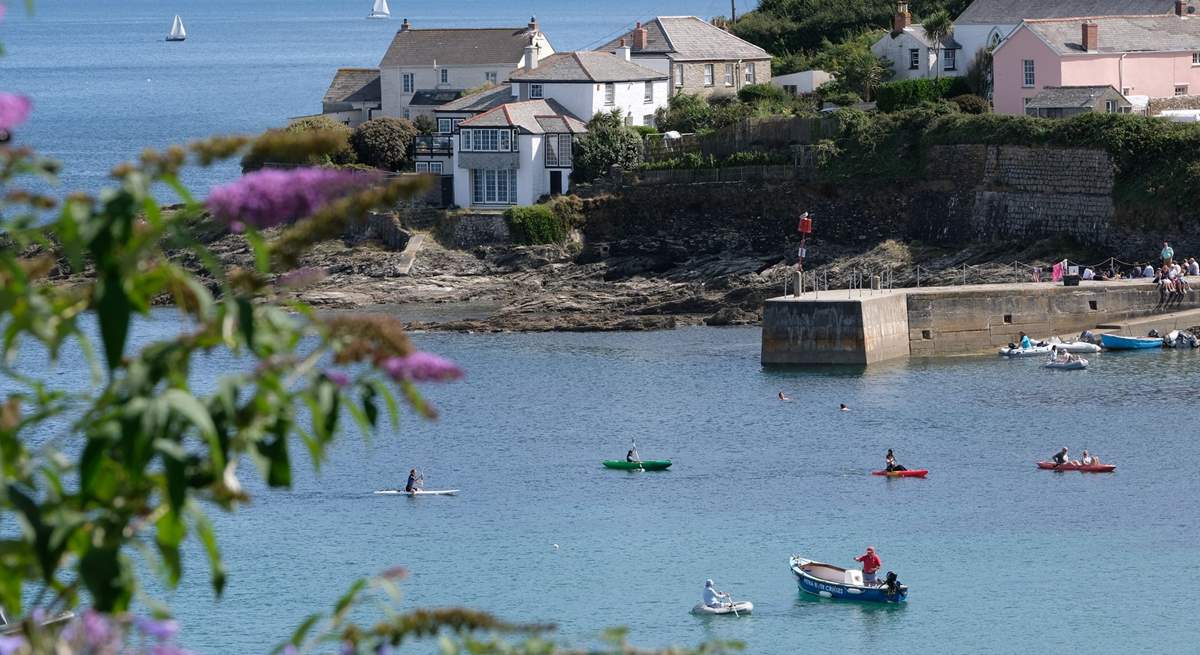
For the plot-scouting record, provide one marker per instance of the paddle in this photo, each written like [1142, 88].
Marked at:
[637, 455]
[732, 606]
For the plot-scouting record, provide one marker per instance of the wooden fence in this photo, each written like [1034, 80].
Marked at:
[770, 134]
[719, 175]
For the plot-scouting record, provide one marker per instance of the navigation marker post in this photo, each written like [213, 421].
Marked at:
[805, 229]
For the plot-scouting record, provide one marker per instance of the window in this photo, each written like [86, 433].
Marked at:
[488, 140]
[750, 73]
[490, 77]
[678, 76]
[445, 125]
[914, 59]
[435, 167]
[558, 150]
[1196, 58]
[1027, 66]
[610, 94]
[1126, 91]
[791, 89]
[1181, 89]
[708, 75]
[993, 40]
[407, 80]
[536, 91]
[1110, 106]
[422, 167]
[493, 186]
[445, 76]
[648, 120]
[948, 59]
[649, 94]
[454, 124]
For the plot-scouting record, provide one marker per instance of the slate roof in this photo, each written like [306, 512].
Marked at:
[918, 33]
[531, 117]
[586, 66]
[1053, 97]
[1011, 12]
[480, 100]
[456, 47]
[353, 85]
[688, 38]
[435, 97]
[1122, 34]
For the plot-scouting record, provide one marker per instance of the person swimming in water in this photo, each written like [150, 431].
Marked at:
[843, 407]
[783, 397]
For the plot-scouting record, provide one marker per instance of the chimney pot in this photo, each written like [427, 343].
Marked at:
[623, 51]
[1180, 7]
[533, 24]
[902, 19]
[405, 25]
[531, 57]
[640, 38]
[1090, 37]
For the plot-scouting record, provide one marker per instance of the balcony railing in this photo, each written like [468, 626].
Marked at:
[433, 144]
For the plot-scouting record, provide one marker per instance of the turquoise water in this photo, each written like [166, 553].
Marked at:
[105, 84]
[1000, 557]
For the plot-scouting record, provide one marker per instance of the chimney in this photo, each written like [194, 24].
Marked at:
[902, 19]
[1091, 37]
[531, 56]
[623, 51]
[533, 26]
[405, 26]
[639, 37]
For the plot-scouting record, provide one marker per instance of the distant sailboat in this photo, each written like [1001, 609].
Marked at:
[177, 31]
[380, 10]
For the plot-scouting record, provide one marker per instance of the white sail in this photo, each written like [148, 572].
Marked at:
[178, 33]
[380, 10]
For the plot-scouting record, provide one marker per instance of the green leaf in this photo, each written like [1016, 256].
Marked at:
[246, 321]
[169, 533]
[208, 538]
[113, 311]
[102, 573]
[301, 632]
[370, 407]
[349, 597]
[262, 253]
[187, 406]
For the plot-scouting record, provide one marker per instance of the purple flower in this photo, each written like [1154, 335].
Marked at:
[10, 645]
[289, 650]
[168, 649]
[160, 630]
[14, 109]
[273, 197]
[97, 630]
[337, 377]
[421, 367]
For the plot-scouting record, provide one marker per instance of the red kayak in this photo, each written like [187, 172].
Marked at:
[1092, 468]
[916, 473]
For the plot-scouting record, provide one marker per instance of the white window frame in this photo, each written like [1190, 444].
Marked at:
[435, 167]
[407, 82]
[454, 124]
[678, 68]
[1196, 58]
[421, 167]
[444, 76]
[490, 77]
[562, 145]
[493, 186]
[949, 59]
[1110, 106]
[610, 94]
[1181, 89]
[750, 76]
[648, 94]
[709, 75]
[445, 126]
[1029, 73]
[730, 75]
[914, 59]
[536, 91]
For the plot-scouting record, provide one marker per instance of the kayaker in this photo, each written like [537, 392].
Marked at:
[414, 482]
[1088, 460]
[712, 597]
[1061, 457]
[891, 463]
[1024, 341]
[870, 563]
[632, 455]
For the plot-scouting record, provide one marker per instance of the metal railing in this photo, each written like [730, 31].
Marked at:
[433, 144]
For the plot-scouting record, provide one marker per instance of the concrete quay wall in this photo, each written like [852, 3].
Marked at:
[867, 327]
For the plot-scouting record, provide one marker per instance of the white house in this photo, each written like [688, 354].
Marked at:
[589, 82]
[802, 82]
[514, 154]
[424, 68]
[353, 96]
[434, 153]
[913, 54]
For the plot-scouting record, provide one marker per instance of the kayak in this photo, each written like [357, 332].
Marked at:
[419, 492]
[644, 465]
[1077, 365]
[1025, 352]
[914, 473]
[742, 607]
[1118, 342]
[1091, 468]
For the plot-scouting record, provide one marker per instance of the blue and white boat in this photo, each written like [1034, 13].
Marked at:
[1119, 342]
[829, 581]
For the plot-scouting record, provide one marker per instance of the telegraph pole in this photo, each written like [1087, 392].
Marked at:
[732, 11]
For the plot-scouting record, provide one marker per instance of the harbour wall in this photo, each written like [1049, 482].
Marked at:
[864, 327]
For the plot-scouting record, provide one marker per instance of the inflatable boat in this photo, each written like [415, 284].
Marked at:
[740, 607]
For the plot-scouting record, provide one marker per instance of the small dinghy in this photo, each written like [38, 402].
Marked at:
[1026, 352]
[1073, 365]
[644, 465]
[1090, 468]
[1180, 339]
[1078, 347]
[1118, 342]
[738, 608]
[419, 492]
[829, 581]
[914, 473]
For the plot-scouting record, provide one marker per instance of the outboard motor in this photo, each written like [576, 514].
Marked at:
[1153, 333]
[1012, 346]
[1087, 337]
[892, 584]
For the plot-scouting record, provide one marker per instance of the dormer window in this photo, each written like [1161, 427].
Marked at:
[536, 92]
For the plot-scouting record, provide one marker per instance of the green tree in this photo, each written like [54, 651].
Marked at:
[608, 142]
[270, 148]
[424, 124]
[384, 142]
[937, 27]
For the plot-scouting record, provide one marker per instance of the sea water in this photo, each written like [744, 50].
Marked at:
[105, 83]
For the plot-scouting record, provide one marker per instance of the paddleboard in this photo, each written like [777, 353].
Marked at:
[422, 492]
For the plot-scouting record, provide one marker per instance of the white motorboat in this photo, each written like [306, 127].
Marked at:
[178, 33]
[380, 10]
[740, 607]
[1025, 352]
[1078, 347]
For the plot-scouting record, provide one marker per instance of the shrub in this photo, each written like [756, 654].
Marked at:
[535, 224]
[424, 124]
[273, 146]
[384, 142]
[608, 142]
[971, 104]
[906, 94]
[755, 93]
[645, 130]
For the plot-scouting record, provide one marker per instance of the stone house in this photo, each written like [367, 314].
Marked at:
[913, 54]
[699, 57]
[1067, 101]
[353, 97]
[1150, 56]
[424, 68]
[586, 83]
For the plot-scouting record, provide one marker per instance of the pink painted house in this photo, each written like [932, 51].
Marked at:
[1152, 56]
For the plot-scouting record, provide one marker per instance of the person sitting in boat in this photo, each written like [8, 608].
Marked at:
[1024, 341]
[414, 482]
[712, 597]
[1061, 457]
[1089, 459]
[891, 463]
[870, 563]
[632, 455]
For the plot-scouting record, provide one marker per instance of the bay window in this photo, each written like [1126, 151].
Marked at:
[488, 140]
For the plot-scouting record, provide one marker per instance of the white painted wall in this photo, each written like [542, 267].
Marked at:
[586, 99]
[974, 37]
[897, 49]
[804, 81]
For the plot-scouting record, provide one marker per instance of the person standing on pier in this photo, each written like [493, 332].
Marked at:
[1167, 254]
